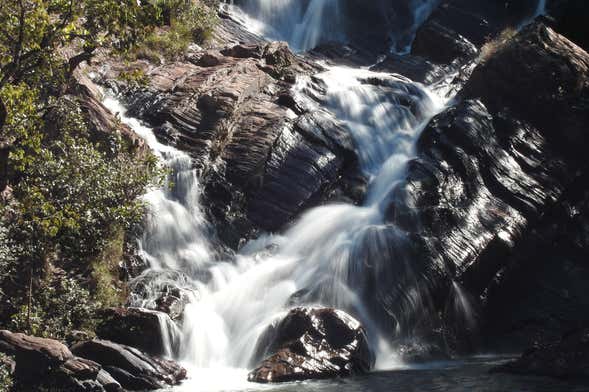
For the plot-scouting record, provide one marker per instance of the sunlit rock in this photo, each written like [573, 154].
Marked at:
[312, 343]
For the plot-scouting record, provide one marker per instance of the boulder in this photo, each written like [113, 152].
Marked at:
[312, 343]
[49, 364]
[517, 71]
[566, 359]
[133, 369]
[442, 45]
[34, 356]
[136, 327]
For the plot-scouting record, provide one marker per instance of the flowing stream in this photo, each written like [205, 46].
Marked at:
[232, 302]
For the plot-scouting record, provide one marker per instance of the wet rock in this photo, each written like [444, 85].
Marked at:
[312, 343]
[135, 327]
[480, 202]
[173, 303]
[241, 135]
[133, 369]
[566, 359]
[415, 68]
[517, 71]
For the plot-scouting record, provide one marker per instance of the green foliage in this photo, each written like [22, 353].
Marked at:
[75, 195]
[107, 289]
[5, 377]
[56, 310]
[135, 77]
[23, 122]
[72, 193]
[71, 197]
[185, 22]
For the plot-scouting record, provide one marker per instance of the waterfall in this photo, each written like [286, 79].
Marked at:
[304, 24]
[242, 297]
[235, 300]
[540, 9]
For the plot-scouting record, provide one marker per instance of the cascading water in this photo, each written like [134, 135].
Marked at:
[241, 298]
[303, 24]
[234, 301]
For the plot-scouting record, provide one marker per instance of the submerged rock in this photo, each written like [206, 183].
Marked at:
[567, 359]
[312, 343]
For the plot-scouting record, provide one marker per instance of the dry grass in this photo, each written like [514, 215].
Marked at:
[493, 46]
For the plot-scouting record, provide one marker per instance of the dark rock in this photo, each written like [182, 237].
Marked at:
[48, 364]
[484, 204]
[442, 45]
[141, 328]
[517, 71]
[244, 51]
[312, 343]
[210, 58]
[133, 369]
[566, 359]
[229, 118]
[571, 20]
[413, 67]
[34, 356]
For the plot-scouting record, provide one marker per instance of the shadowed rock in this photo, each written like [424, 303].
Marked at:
[130, 367]
[566, 359]
[141, 328]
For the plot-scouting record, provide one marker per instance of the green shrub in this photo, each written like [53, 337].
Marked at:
[5, 377]
[134, 77]
[184, 22]
[57, 308]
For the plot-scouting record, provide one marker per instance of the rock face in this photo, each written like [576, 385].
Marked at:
[260, 162]
[133, 369]
[483, 196]
[566, 359]
[135, 327]
[312, 343]
[91, 366]
[511, 76]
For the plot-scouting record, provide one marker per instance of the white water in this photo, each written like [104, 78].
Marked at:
[303, 24]
[540, 9]
[241, 298]
[236, 300]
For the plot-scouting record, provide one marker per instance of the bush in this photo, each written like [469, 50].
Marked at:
[59, 307]
[5, 376]
[72, 198]
[183, 23]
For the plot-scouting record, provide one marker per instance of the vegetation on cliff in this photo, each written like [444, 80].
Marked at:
[70, 194]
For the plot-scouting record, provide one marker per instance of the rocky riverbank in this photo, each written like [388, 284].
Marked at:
[484, 243]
